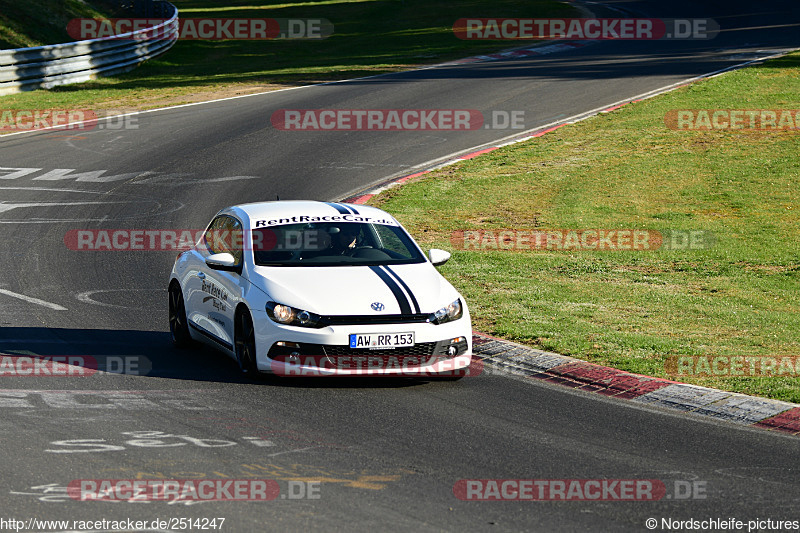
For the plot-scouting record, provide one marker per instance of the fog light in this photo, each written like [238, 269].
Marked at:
[452, 350]
[286, 344]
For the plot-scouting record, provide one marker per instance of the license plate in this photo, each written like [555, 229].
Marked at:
[381, 341]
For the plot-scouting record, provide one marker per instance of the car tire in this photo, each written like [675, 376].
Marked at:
[244, 342]
[178, 325]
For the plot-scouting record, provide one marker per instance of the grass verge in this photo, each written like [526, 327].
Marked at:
[29, 23]
[370, 37]
[626, 169]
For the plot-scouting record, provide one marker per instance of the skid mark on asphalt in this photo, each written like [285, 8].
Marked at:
[358, 479]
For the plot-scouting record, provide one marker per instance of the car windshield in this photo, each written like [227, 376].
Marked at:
[333, 244]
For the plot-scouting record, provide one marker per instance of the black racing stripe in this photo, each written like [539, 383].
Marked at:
[342, 209]
[405, 308]
[405, 286]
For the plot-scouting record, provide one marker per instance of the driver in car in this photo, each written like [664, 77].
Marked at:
[343, 239]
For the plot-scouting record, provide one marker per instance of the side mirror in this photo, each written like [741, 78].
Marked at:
[224, 261]
[438, 257]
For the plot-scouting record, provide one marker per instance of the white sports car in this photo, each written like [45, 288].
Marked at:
[319, 288]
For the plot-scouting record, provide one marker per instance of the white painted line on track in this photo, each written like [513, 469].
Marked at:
[8, 206]
[32, 300]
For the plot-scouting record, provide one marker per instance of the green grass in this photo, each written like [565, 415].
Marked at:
[625, 169]
[26, 23]
[370, 37]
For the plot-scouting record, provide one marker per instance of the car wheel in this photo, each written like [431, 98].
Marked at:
[178, 326]
[245, 342]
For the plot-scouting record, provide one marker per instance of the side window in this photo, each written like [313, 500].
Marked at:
[213, 230]
[224, 234]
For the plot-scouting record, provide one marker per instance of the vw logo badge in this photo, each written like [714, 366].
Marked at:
[377, 306]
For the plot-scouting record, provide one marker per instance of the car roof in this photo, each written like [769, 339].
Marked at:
[288, 208]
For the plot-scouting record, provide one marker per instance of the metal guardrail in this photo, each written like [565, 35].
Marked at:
[44, 67]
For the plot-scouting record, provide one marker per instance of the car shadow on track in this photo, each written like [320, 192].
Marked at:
[145, 354]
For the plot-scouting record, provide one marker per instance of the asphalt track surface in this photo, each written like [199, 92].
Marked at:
[387, 453]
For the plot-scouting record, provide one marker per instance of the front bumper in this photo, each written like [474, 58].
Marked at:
[439, 350]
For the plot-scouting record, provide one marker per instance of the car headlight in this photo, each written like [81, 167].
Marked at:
[451, 312]
[283, 314]
[290, 316]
